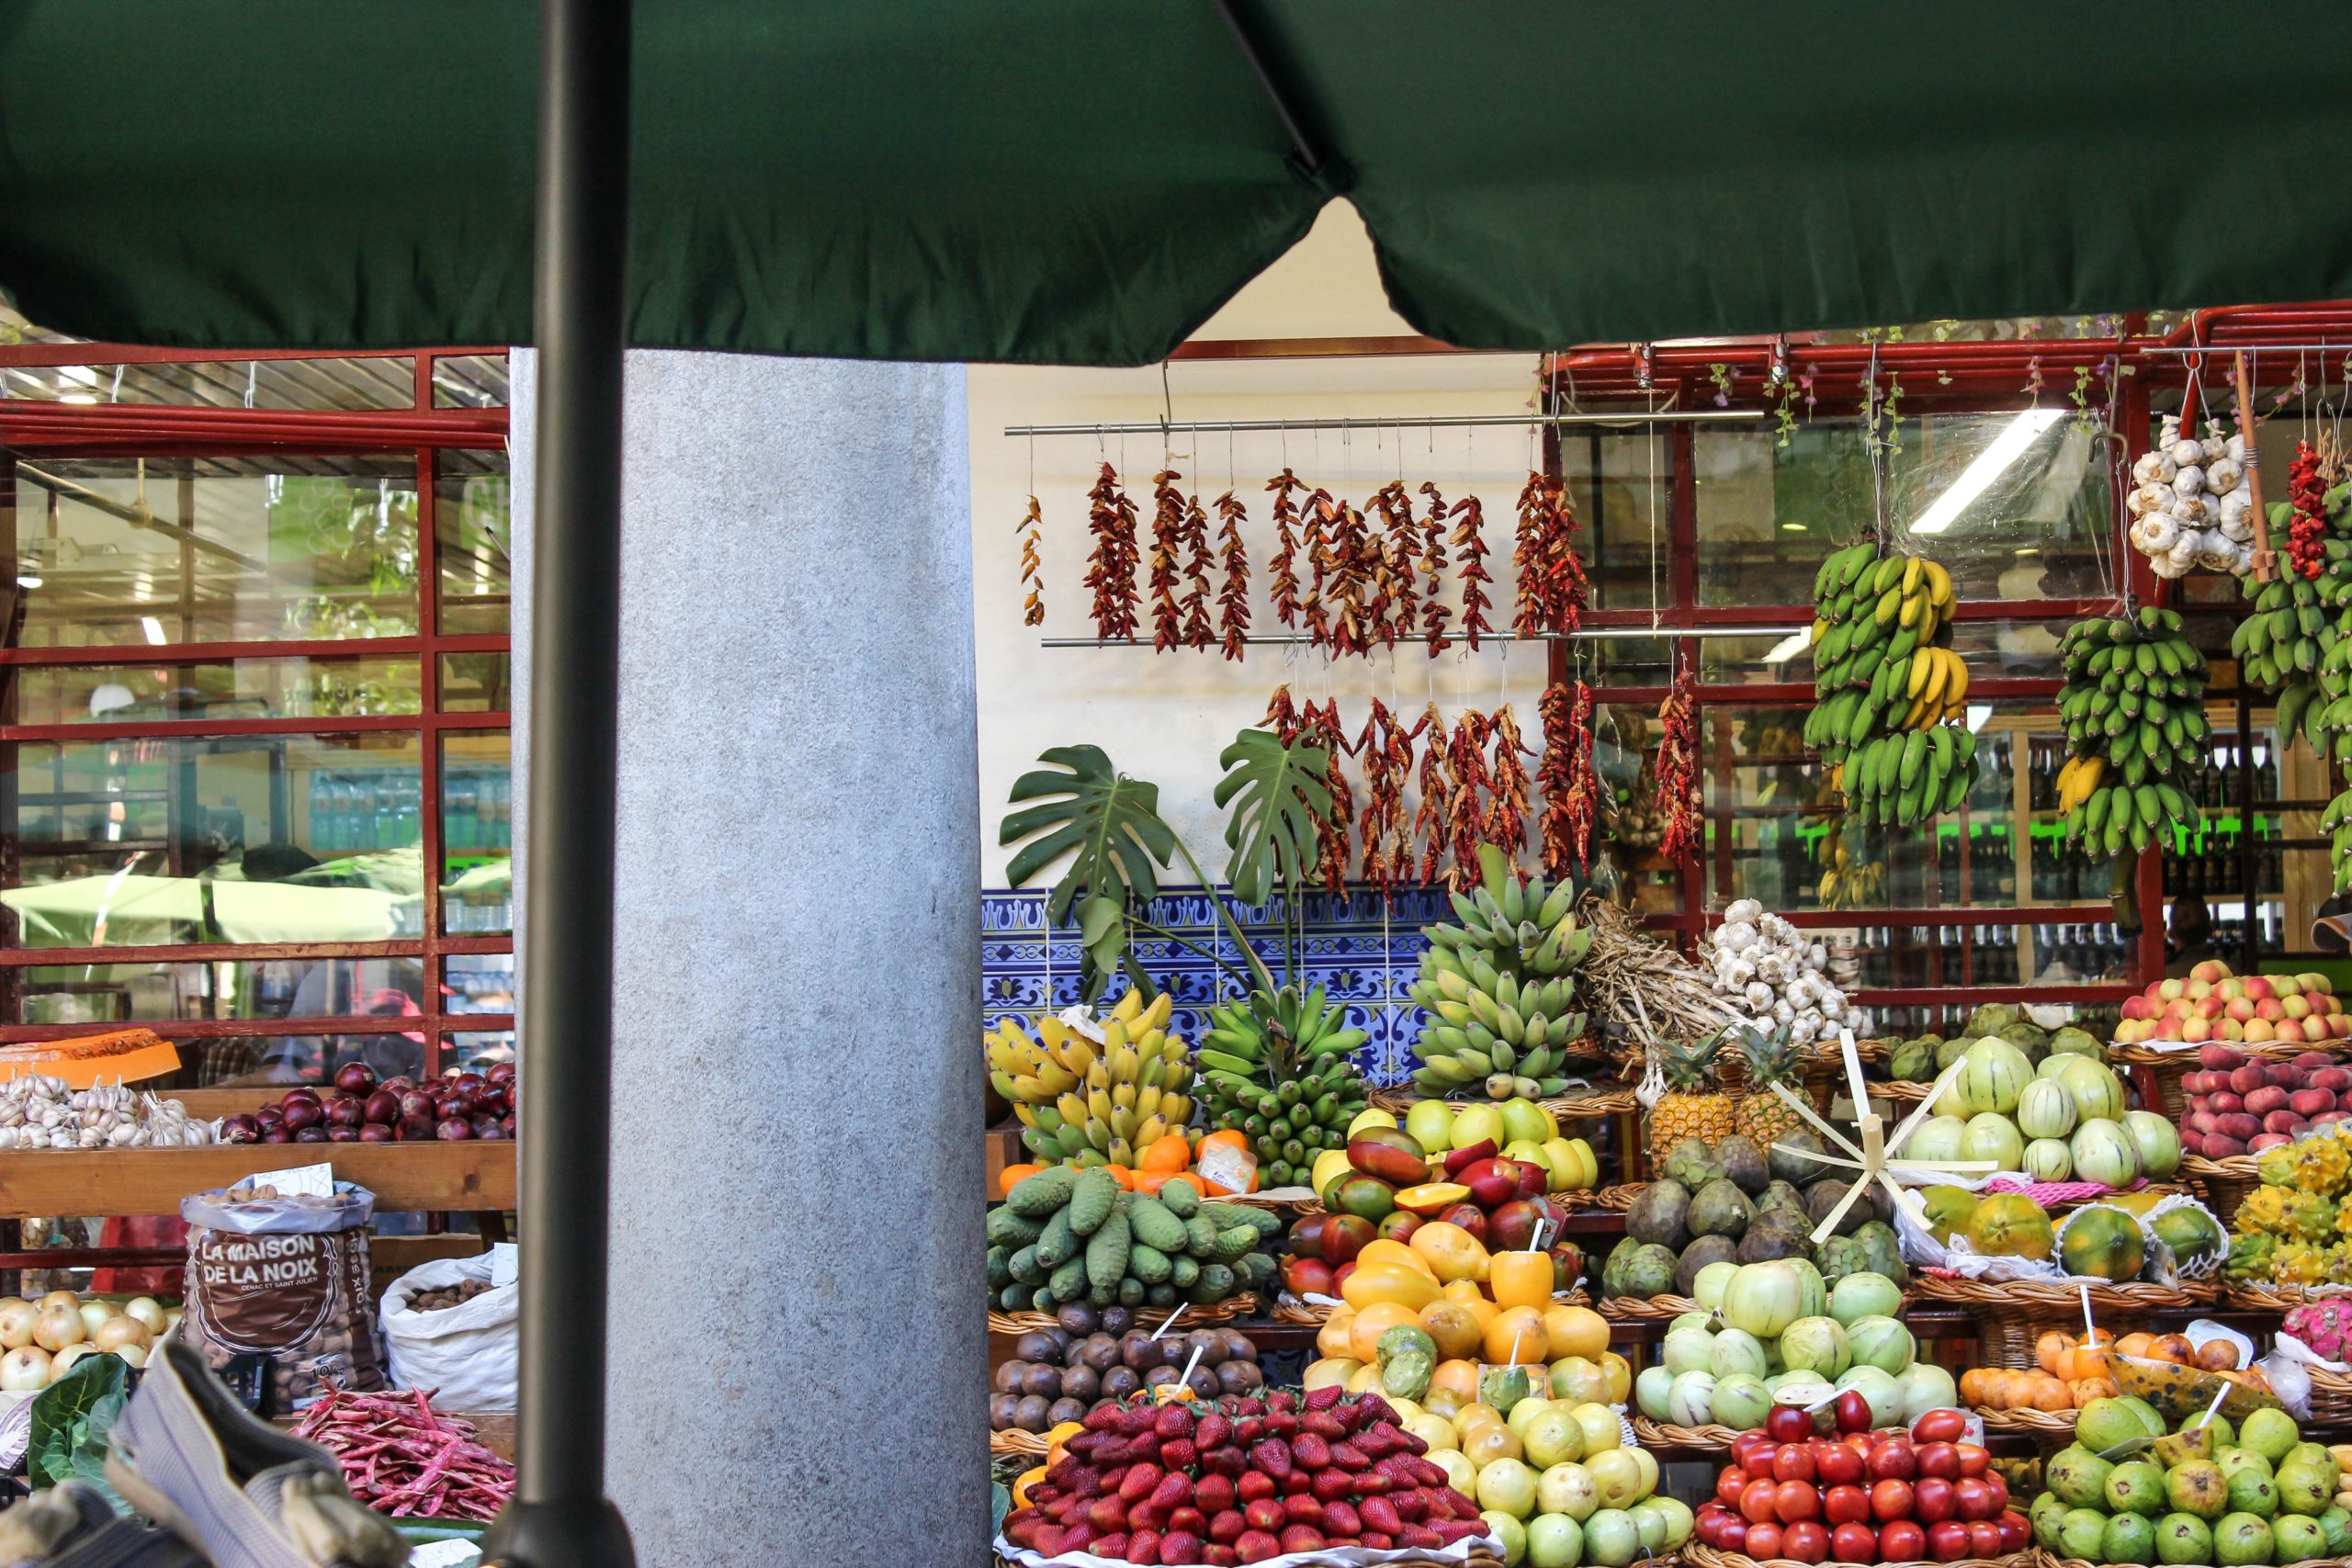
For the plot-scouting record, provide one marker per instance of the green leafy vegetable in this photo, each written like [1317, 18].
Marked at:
[71, 1422]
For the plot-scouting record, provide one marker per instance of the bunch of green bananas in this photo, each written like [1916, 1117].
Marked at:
[2133, 707]
[1910, 775]
[1278, 1070]
[2298, 636]
[2336, 822]
[1847, 883]
[1095, 1105]
[1499, 986]
[1882, 650]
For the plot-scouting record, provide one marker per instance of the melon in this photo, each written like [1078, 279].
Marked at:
[1992, 1136]
[2045, 1110]
[1992, 1073]
[2008, 1224]
[2191, 1232]
[1934, 1141]
[2103, 1243]
[2159, 1143]
[2098, 1092]
[2048, 1160]
[2106, 1154]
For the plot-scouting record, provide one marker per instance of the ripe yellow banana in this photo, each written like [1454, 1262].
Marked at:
[1155, 1016]
[1912, 570]
[1128, 1006]
[1956, 684]
[1931, 691]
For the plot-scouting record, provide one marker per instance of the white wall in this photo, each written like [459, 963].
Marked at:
[1166, 717]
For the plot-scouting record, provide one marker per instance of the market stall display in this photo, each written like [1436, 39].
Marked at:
[2134, 707]
[1107, 1355]
[1923, 1058]
[1064, 1235]
[2061, 1120]
[1887, 686]
[2191, 503]
[39, 1111]
[2261, 1015]
[402, 1457]
[1501, 987]
[2289, 1232]
[1766, 967]
[44, 1338]
[1093, 1092]
[357, 1108]
[1277, 1071]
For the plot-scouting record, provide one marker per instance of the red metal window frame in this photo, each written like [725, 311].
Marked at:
[420, 430]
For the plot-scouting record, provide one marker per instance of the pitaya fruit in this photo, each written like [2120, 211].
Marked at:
[2325, 1326]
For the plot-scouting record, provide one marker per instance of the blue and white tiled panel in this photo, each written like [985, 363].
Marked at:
[1360, 952]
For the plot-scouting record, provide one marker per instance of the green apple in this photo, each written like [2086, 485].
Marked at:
[1508, 1485]
[1555, 1540]
[1526, 1122]
[1505, 1529]
[1567, 1489]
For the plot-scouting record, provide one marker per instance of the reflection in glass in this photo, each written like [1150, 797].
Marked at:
[243, 688]
[475, 1051]
[476, 832]
[472, 526]
[478, 982]
[1621, 487]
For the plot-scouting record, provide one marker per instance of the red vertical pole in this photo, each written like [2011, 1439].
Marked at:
[429, 626]
[2141, 586]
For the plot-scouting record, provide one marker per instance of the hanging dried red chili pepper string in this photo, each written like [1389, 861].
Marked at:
[1352, 562]
[1197, 563]
[1396, 605]
[1233, 599]
[1387, 747]
[2307, 495]
[1111, 570]
[1678, 771]
[1469, 516]
[1467, 779]
[1506, 826]
[1551, 576]
[1281, 715]
[1315, 539]
[1032, 608]
[1435, 613]
[1571, 795]
[1321, 727]
[1430, 821]
[1167, 543]
[1283, 584]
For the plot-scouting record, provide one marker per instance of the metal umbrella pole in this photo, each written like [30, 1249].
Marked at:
[559, 1517]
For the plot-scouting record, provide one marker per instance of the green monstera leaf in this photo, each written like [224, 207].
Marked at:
[1109, 825]
[1277, 794]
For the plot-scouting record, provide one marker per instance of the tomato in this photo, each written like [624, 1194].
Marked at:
[1901, 1540]
[1853, 1543]
[2016, 1531]
[1890, 1500]
[1853, 1412]
[1834, 1464]
[1948, 1540]
[1932, 1501]
[1763, 1541]
[2000, 1490]
[1794, 1502]
[1756, 1503]
[1735, 1534]
[1893, 1460]
[1844, 1505]
[1984, 1539]
[1729, 1485]
[1974, 1460]
[1745, 1449]
[1939, 1459]
[1788, 1423]
[1805, 1543]
[1793, 1462]
[1705, 1524]
[1972, 1499]
[1940, 1427]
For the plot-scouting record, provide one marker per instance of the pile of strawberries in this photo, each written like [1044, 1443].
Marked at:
[1239, 1480]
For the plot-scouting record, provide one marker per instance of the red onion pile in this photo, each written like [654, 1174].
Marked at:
[453, 1108]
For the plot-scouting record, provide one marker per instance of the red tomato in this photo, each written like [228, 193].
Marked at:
[1837, 1466]
[1729, 1485]
[1932, 1500]
[2000, 1490]
[1756, 1503]
[1948, 1540]
[1706, 1525]
[1805, 1543]
[1845, 1506]
[1901, 1540]
[1893, 1460]
[1890, 1500]
[1853, 1543]
[1972, 1499]
[1793, 1462]
[1735, 1534]
[1974, 1460]
[1796, 1501]
[2016, 1531]
[1939, 1459]
[1939, 1426]
[1984, 1539]
[1763, 1541]
[1788, 1423]
[1745, 1449]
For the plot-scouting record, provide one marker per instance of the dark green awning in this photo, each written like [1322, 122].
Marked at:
[1087, 180]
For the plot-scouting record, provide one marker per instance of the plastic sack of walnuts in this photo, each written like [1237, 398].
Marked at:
[285, 1277]
[446, 1327]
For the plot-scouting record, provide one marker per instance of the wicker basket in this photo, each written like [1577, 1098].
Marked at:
[1616, 1199]
[2251, 1295]
[2222, 1183]
[2050, 1429]
[1226, 1311]
[1296, 1207]
[1700, 1555]
[1645, 1309]
[2169, 1068]
[1698, 1439]
[1311, 1314]
[1477, 1559]
[1013, 1440]
[2012, 1314]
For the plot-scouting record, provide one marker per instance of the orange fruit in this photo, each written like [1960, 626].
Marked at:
[1516, 1334]
[1455, 1328]
[1013, 1176]
[1459, 1377]
[2050, 1347]
[1576, 1331]
[1332, 1338]
[1363, 1334]
[1167, 1155]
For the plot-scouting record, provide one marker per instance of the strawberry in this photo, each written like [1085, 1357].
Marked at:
[1340, 1521]
[1379, 1514]
[1087, 1480]
[1412, 1505]
[1227, 1460]
[1253, 1484]
[1106, 1514]
[1349, 1456]
[1023, 1527]
[1463, 1508]
[1144, 1517]
[1330, 1483]
[1370, 1482]
[1213, 1493]
[1411, 1444]
[1042, 1493]
[1143, 1546]
[1281, 1424]
[1451, 1530]
[1179, 1453]
[1139, 1483]
[1174, 1420]
[1102, 1418]
[1249, 1404]
[1047, 1541]
[1272, 1458]
[1188, 1519]
[1248, 1429]
[1324, 1398]
[1302, 1537]
[1282, 1399]
[1134, 1420]
[1256, 1546]
[1325, 1425]
[1419, 1538]
[1213, 1431]
[1402, 1468]
[1178, 1548]
[1376, 1540]
[1311, 1451]
[1110, 1545]
[1431, 1474]
[1266, 1513]
[1173, 1491]
[1225, 1527]
[1217, 1554]
[1297, 1482]
[1302, 1509]
[1371, 1408]
[1078, 1538]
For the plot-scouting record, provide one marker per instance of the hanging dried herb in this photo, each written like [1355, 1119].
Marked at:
[1507, 812]
[1283, 585]
[1032, 608]
[1397, 597]
[1677, 771]
[1435, 613]
[1387, 747]
[1437, 790]
[1322, 728]
[1281, 715]
[1353, 553]
[1317, 517]
[1167, 544]
[1465, 826]
[1197, 563]
[1233, 599]
[1111, 570]
[1571, 793]
[1469, 516]
[1551, 575]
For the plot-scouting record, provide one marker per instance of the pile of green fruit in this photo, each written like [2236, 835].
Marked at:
[1064, 1235]
[1500, 987]
[2203, 1494]
[2134, 707]
[1278, 1070]
[1924, 1058]
[1732, 1204]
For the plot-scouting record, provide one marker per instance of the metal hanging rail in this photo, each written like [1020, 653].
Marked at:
[1414, 421]
[1583, 634]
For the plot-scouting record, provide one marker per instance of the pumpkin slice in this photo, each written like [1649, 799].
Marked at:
[126, 1055]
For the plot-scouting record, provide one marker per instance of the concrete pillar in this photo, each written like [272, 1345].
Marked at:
[798, 1349]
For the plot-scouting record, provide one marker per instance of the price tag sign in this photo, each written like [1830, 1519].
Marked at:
[445, 1555]
[1227, 1168]
[301, 1180]
[505, 1260]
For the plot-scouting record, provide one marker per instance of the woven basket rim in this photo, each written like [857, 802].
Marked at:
[1711, 1437]
[2026, 1298]
[1705, 1556]
[1013, 1441]
[1239, 1305]
[2229, 1168]
[2014, 1420]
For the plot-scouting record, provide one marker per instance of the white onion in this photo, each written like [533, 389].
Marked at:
[24, 1369]
[56, 1327]
[17, 1324]
[147, 1309]
[134, 1354]
[61, 1298]
[62, 1362]
[121, 1331]
[94, 1314]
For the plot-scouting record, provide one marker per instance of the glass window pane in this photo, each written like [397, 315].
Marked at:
[1909, 957]
[469, 381]
[478, 982]
[116, 551]
[477, 832]
[259, 837]
[477, 682]
[471, 516]
[243, 688]
[1625, 757]
[387, 382]
[1622, 661]
[144, 993]
[476, 1051]
[1622, 486]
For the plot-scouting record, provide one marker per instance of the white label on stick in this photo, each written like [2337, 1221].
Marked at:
[304, 1180]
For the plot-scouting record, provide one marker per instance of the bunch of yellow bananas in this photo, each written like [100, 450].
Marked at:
[1095, 1104]
[2079, 780]
[1938, 687]
[1881, 653]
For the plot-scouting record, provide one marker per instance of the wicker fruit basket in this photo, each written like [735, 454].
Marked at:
[1209, 1316]
[1013, 1440]
[1645, 1309]
[1711, 1439]
[1700, 1555]
[2012, 1314]
[2223, 1184]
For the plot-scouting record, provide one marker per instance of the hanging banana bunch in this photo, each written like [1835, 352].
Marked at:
[1094, 1103]
[2134, 707]
[1887, 686]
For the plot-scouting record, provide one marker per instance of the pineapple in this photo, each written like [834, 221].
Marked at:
[1763, 1118]
[1694, 1105]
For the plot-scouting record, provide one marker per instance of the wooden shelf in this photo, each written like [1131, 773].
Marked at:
[470, 1176]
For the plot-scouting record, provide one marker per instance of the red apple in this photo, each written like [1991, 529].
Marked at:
[1893, 1460]
[2017, 1530]
[1729, 1485]
[1901, 1540]
[1853, 1543]
[1984, 1539]
[1788, 1423]
[1890, 1500]
[1974, 1460]
[1732, 1535]
[1940, 1460]
[1744, 1451]
[1852, 1412]
[1836, 1464]
[1844, 1505]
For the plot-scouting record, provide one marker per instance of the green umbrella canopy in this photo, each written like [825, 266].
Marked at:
[1085, 181]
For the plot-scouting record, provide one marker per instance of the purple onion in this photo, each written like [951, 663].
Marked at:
[303, 1093]
[311, 1135]
[239, 1128]
[374, 1133]
[453, 1130]
[343, 1111]
[302, 1115]
[383, 1108]
[501, 1074]
[415, 1102]
[414, 1129]
[277, 1135]
[342, 1135]
[270, 1116]
[357, 1078]
[399, 1083]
